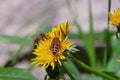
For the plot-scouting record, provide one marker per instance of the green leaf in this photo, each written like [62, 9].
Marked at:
[71, 70]
[113, 65]
[93, 77]
[15, 74]
[89, 40]
[90, 69]
[15, 39]
[112, 74]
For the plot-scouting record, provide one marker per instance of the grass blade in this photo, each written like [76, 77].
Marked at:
[15, 39]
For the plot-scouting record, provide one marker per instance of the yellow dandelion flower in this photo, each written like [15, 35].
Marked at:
[50, 50]
[118, 60]
[115, 18]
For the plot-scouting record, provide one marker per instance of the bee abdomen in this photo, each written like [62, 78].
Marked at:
[55, 45]
[54, 49]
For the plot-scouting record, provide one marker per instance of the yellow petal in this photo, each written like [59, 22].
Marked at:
[118, 60]
[59, 62]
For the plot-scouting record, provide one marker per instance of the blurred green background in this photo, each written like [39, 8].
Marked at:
[20, 20]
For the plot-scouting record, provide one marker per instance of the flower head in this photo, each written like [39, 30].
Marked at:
[49, 50]
[115, 18]
[118, 60]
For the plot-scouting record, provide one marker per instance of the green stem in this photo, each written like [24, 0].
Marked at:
[108, 40]
[109, 8]
[91, 49]
[92, 70]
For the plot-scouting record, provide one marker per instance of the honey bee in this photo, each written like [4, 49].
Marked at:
[38, 38]
[55, 45]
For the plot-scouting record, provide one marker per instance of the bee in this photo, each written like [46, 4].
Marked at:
[55, 45]
[38, 38]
